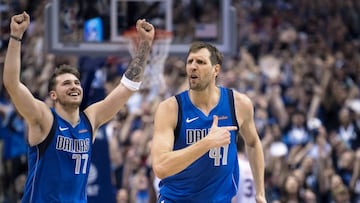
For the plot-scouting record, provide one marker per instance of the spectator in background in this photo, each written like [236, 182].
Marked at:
[14, 150]
[348, 131]
[345, 166]
[291, 190]
[309, 196]
[341, 194]
[297, 132]
[122, 196]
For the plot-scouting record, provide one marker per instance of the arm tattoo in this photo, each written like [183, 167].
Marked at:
[135, 70]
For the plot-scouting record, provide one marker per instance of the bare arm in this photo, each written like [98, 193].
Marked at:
[298, 153]
[277, 106]
[35, 112]
[245, 115]
[103, 111]
[356, 170]
[165, 161]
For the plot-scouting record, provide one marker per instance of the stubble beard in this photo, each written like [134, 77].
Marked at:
[69, 104]
[198, 86]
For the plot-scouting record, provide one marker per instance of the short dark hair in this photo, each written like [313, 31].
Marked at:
[62, 69]
[216, 57]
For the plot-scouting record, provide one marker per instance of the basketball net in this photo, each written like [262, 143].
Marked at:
[153, 76]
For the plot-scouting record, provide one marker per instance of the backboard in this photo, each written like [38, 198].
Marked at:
[94, 29]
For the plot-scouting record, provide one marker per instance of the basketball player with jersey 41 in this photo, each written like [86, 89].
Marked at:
[194, 152]
[60, 137]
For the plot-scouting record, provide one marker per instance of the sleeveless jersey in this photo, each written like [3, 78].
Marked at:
[59, 166]
[214, 176]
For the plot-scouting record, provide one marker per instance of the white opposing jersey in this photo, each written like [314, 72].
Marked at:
[246, 189]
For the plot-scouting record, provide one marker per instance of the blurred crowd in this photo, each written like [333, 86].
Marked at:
[298, 60]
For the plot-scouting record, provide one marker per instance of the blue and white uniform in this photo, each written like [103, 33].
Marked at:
[213, 178]
[59, 166]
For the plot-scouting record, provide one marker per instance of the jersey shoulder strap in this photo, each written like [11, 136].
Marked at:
[88, 124]
[178, 125]
[232, 106]
[233, 110]
[44, 145]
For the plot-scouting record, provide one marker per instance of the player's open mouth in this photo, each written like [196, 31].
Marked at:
[74, 94]
[193, 77]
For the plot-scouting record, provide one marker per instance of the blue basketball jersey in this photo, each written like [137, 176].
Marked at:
[214, 176]
[59, 166]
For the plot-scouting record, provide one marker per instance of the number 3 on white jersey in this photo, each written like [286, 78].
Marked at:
[215, 153]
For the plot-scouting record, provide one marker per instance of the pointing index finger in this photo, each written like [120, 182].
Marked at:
[230, 128]
[215, 121]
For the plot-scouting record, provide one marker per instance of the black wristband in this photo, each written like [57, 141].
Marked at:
[15, 38]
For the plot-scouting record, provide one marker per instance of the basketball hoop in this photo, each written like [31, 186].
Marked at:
[162, 39]
[153, 78]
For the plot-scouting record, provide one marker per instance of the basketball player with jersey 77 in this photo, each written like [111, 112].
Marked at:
[60, 137]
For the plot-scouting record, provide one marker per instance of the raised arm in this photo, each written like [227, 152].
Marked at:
[34, 111]
[103, 111]
[245, 115]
